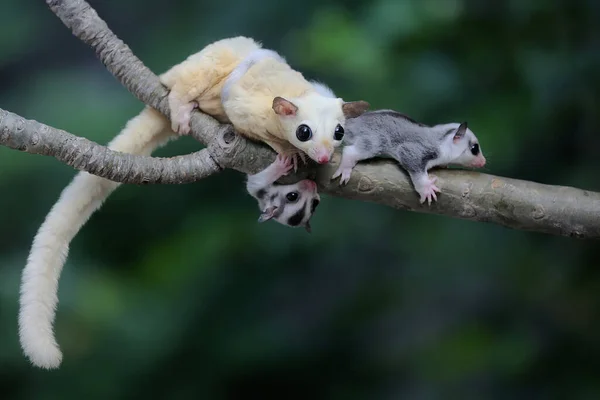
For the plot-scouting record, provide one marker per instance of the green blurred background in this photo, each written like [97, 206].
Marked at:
[176, 292]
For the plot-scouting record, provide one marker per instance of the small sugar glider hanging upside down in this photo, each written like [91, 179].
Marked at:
[234, 80]
[417, 147]
[292, 205]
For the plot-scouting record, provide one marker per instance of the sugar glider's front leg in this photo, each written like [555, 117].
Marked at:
[265, 178]
[351, 155]
[424, 185]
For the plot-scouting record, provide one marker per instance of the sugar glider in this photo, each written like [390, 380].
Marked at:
[417, 147]
[292, 205]
[265, 99]
[255, 89]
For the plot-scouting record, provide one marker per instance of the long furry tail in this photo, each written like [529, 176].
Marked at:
[78, 201]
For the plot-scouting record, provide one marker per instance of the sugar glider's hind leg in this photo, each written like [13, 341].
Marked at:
[181, 112]
[192, 81]
[188, 81]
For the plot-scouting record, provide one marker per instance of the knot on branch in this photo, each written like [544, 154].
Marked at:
[226, 146]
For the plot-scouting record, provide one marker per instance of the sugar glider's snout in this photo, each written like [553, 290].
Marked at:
[323, 159]
[479, 161]
[322, 153]
[475, 150]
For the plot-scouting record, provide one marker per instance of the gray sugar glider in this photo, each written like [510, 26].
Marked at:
[292, 205]
[417, 147]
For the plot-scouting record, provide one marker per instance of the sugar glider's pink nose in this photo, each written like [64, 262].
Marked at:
[323, 159]
[479, 162]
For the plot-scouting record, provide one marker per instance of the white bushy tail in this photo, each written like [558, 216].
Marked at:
[77, 202]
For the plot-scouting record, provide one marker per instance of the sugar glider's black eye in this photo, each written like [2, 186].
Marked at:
[303, 133]
[475, 149]
[292, 197]
[339, 132]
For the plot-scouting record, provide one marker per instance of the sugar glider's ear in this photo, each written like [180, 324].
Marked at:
[284, 107]
[307, 227]
[460, 132]
[267, 214]
[353, 109]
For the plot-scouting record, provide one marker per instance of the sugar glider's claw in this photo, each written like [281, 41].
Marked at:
[302, 156]
[428, 191]
[345, 174]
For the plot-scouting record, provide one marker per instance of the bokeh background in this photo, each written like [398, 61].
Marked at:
[176, 292]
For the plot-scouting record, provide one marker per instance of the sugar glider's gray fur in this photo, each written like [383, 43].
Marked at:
[417, 147]
[292, 205]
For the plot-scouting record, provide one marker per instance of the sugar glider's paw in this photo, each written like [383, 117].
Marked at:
[302, 156]
[180, 120]
[283, 165]
[427, 190]
[344, 172]
[295, 155]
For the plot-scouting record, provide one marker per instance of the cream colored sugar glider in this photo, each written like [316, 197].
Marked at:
[265, 99]
[262, 96]
[291, 205]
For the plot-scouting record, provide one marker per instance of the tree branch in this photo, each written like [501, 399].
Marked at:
[120, 61]
[468, 195]
[33, 137]
[513, 203]
[118, 58]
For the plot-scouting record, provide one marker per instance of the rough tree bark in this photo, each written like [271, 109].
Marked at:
[33, 137]
[465, 194]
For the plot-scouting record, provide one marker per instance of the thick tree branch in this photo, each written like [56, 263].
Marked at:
[36, 138]
[118, 58]
[513, 203]
[469, 195]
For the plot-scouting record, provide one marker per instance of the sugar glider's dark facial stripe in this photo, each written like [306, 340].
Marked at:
[397, 114]
[297, 218]
[314, 205]
[428, 156]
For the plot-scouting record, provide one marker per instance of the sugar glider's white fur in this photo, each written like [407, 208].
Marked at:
[198, 80]
[243, 67]
[261, 95]
[323, 89]
[293, 204]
